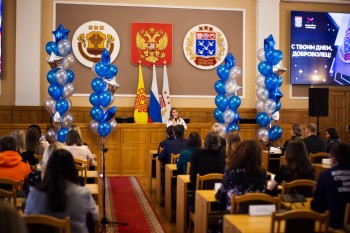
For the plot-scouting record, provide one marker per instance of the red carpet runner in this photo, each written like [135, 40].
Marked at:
[126, 202]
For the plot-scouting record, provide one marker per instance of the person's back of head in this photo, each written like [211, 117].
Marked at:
[247, 155]
[216, 128]
[194, 140]
[297, 130]
[73, 138]
[312, 128]
[8, 143]
[233, 139]
[341, 153]
[212, 141]
[77, 128]
[50, 149]
[37, 127]
[333, 133]
[170, 132]
[179, 131]
[10, 220]
[19, 135]
[32, 139]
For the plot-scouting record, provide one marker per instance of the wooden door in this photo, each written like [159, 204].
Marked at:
[338, 112]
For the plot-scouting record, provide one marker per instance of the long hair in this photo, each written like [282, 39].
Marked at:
[73, 138]
[212, 141]
[60, 169]
[19, 135]
[333, 133]
[194, 140]
[233, 139]
[247, 155]
[171, 113]
[32, 139]
[298, 164]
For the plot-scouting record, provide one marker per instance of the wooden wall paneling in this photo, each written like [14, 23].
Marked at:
[30, 115]
[113, 160]
[337, 112]
[248, 131]
[157, 133]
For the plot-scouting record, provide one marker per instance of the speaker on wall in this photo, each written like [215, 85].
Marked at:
[318, 101]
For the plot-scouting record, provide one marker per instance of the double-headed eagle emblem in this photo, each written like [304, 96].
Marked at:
[151, 43]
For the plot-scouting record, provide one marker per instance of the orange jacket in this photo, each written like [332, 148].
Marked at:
[12, 166]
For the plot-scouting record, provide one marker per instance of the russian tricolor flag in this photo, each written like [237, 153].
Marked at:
[154, 114]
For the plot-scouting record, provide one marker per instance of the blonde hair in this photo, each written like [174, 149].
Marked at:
[19, 135]
[50, 149]
[76, 128]
[216, 128]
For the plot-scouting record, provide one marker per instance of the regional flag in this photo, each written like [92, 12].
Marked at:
[140, 111]
[165, 104]
[154, 114]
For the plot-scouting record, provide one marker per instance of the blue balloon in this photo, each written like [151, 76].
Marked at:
[265, 68]
[51, 77]
[271, 82]
[62, 106]
[275, 133]
[218, 115]
[262, 119]
[273, 56]
[112, 71]
[101, 69]
[55, 91]
[94, 100]
[222, 72]
[98, 85]
[110, 113]
[220, 87]
[105, 98]
[237, 117]
[269, 43]
[62, 134]
[70, 75]
[104, 128]
[221, 102]
[60, 33]
[234, 102]
[275, 94]
[232, 126]
[51, 47]
[105, 57]
[230, 61]
[278, 106]
[96, 113]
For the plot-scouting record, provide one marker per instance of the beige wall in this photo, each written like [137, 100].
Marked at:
[8, 83]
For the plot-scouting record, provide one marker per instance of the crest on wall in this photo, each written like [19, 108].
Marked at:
[91, 38]
[151, 43]
[205, 46]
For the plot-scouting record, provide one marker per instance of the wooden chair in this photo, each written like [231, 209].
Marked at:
[237, 202]
[202, 183]
[317, 157]
[174, 158]
[9, 190]
[82, 166]
[295, 221]
[302, 186]
[36, 221]
[188, 168]
[347, 215]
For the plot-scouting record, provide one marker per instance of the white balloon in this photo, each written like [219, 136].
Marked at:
[275, 116]
[50, 105]
[61, 76]
[68, 61]
[263, 134]
[67, 120]
[262, 93]
[228, 116]
[259, 105]
[68, 90]
[235, 72]
[64, 47]
[230, 87]
[269, 106]
[261, 54]
[51, 135]
[94, 127]
[260, 80]
[113, 123]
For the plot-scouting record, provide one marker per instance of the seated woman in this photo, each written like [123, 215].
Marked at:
[59, 194]
[333, 138]
[296, 134]
[193, 144]
[233, 139]
[77, 148]
[19, 135]
[33, 145]
[244, 173]
[298, 165]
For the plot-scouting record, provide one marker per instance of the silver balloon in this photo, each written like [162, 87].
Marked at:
[228, 116]
[259, 105]
[61, 76]
[230, 87]
[64, 47]
[50, 105]
[94, 127]
[269, 106]
[67, 120]
[51, 135]
[261, 54]
[262, 93]
[113, 123]
[68, 90]
[275, 116]
[68, 61]
[223, 130]
[260, 80]
[263, 134]
[235, 72]
[69, 104]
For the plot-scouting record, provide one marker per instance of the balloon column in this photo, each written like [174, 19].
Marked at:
[227, 101]
[268, 92]
[61, 87]
[104, 86]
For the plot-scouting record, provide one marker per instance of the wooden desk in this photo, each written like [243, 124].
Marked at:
[244, 223]
[181, 202]
[152, 156]
[169, 174]
[320, 167]
[159, 196]
[202, 207]
[93, 188]
[273, 160]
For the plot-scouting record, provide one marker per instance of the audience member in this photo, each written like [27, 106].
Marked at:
[77, 128]
[244, 173]
[10, 220]
[193, 143]
[169, 136]
[296, 134]
[333, 186]
[174, 119]
[48, 152]
[33, 145]
[59, 194]
[11, 164]
[216, 128]
[233, 139]
[313, 142]
[333, 138]
[77, 148]
[19, 135]
[298, 165]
